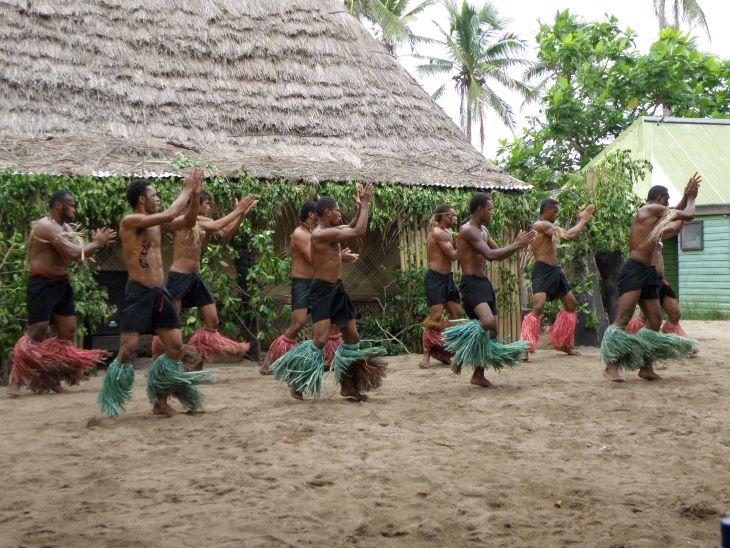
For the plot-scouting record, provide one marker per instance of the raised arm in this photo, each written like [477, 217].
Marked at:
[584, 215]
[345, 233]
[491, 252]
[71, 250]
[358, 201]
[445, 244]
[187, 221]
[231, 228]
[137, 221]
[692, 187]
[673, 228]
[227, 226]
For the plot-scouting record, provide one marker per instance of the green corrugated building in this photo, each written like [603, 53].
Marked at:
[697, 262]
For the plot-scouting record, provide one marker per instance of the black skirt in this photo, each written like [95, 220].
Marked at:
[635, 275]
[145, 309]
[191, 289]
[550, 280]
[476, 290]
[330, 301]
[440, 288]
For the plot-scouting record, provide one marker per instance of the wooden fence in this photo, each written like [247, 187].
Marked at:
[504, 275]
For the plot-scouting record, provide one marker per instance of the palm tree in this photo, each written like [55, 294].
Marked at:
[479, 52]
[391, 18]
[689, 9]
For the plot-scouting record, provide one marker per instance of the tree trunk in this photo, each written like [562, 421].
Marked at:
[468, 119]
[609, 265]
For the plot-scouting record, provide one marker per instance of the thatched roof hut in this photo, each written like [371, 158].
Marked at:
[287, 88]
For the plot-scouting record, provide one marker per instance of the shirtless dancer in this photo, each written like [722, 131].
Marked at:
[356, 368]
[302, 273]
[148, 306]
[639, 282]
[549, 281]
[39, 363]
[189, 289]
[475, 247]
[667, 298]
[441, 290]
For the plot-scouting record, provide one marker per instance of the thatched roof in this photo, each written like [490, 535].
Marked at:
[287, 88]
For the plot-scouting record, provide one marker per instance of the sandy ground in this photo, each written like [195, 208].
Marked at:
[555, 456]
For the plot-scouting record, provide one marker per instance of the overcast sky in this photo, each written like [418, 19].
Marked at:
[526, 16]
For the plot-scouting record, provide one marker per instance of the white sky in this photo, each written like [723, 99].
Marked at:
[526, 16]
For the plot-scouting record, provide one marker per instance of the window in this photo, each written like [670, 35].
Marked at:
[692, 236]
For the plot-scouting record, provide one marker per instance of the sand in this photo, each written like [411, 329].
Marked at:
[555, 456]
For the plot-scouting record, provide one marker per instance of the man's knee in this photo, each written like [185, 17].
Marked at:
[490, 325]
[320, 340]
[126, 351]
[538, 309]
[570, 303]
[654, 323]
[37, 332]
[174, 346]
[298, 324]
[67, 332]
[623, 317]
[674, 316]
[212, 323]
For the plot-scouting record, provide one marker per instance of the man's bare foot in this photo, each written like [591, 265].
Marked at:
[479, 379]
[443, 356]
[526, 355]
[296, 395]
[163, 408]
[425, 361]
[58, 389]
[612, 374]
[352, 394]
[265, 370]
[13, 389]
[647, 373]
[569, 350]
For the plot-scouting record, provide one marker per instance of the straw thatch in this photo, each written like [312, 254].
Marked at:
[287, 88]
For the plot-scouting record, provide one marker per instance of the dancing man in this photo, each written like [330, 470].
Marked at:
[187, 286]
[640, 282]
[441, 290]
[302, 273]
[42, 363]
[549, 281]
[148, 307]
[474, 343]
[667, 298]
[357, 368]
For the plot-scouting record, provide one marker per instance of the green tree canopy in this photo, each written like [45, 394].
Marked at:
[596, 83]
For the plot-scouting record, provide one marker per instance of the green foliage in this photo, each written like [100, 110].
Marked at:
[608, 186]
[397, 324]
[596, 83]
[91, 301]
[101, 202]
[12, 294]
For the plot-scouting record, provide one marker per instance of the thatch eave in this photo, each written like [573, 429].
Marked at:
[104, 157]
[293, 89]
